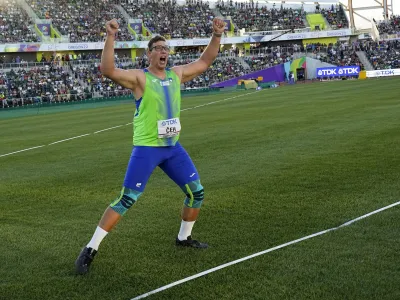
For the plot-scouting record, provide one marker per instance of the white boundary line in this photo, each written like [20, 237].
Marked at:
[163, 288]
[75, 137]
[22, 150]
[96, 132]
[107, 129]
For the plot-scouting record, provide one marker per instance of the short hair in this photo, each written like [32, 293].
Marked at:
[156, 39]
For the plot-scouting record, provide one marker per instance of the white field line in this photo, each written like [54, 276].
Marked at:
[107, 129]
[72, 138]
[96, 132]
[163, 288]
[22, 150]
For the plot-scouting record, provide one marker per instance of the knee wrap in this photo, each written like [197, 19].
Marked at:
[194, 194]
[127, 198]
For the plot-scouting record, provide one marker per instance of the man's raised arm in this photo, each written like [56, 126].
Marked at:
[126, 78]
[194, 69]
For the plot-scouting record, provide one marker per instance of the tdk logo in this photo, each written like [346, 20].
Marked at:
[385, 72]
[338, 71]
[169, 122]
[328, 72]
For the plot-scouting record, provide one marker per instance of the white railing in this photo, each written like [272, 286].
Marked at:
[24, 65]
[61, 98]
[273, 32]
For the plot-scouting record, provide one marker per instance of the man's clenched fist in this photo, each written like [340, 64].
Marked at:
[218, 25]
[112, 27]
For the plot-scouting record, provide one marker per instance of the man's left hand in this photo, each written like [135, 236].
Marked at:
[218, 25]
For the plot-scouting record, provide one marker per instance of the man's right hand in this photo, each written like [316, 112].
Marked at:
[112, 27]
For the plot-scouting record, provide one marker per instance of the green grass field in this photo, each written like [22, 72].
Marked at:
[277, 165]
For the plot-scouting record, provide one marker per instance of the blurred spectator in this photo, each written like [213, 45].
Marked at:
[81, 20]
[15, 24]
[339, 54]
[383, 54]
[392, 26]
[250, 16]
[167, 18]
[336, 17]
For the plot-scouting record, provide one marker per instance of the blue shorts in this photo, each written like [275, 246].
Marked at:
[173, 160]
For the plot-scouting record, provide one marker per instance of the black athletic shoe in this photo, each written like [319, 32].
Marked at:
[84, 260]
[191, 243]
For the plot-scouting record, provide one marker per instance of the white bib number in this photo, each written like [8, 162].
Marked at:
[168, 128]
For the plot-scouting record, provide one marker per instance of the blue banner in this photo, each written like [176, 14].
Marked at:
[338, 71]
[44, 28]
[227, 24]
[137, 27]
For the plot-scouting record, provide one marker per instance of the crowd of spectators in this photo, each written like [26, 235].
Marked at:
[335, 16]
[15, 25]
[392, 26]
[79, 76]
[90, 77]
[339, 54]
[47, 84]
[262, 57]
[252, 17]
[383, 54]
[172, 20]
[81, 20]
[222, 69]
[84, 21]
[75, 81]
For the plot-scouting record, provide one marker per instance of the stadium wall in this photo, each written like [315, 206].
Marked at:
[276, 73]
[326, 41]
[316, 20]
[312, 65]
[300, 63]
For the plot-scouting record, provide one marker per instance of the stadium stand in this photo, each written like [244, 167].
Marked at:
[82, 21]
[340, 54]
[73, 77]
[46, 84]
[79, 80]
[336, 17]
[259, 18]
[392, 26]
[12, 30]
[266, 57]
[383, 54]
[171, 19]
[222, 69]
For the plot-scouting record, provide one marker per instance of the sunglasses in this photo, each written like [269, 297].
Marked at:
[159, 48]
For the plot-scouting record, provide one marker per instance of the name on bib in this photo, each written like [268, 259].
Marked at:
[168, 128]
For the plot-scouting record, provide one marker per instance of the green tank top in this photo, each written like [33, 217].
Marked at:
[159, 105]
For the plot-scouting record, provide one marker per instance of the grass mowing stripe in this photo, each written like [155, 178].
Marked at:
[163, 288]
[209, 103]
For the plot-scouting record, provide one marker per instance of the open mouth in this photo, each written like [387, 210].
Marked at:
[163, 59]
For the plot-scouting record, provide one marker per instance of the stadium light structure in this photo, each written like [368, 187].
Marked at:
[367, 10]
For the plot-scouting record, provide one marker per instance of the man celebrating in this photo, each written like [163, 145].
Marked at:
[156, 134]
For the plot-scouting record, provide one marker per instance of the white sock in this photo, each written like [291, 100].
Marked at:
[186, 230]
[98, 236]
